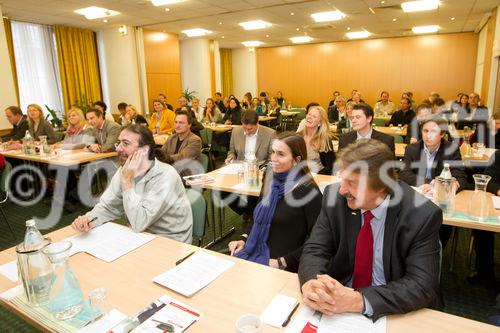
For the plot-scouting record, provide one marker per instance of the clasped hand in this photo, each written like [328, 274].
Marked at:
[327, 295]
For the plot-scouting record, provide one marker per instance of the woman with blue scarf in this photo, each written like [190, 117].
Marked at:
[288, 207]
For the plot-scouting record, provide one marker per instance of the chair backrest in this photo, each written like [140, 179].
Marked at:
[5, 178]
[302, 113]
[398, 139]
[206, 136]
[199, 209]
[378, 122]
[204, 161]
[58, 135]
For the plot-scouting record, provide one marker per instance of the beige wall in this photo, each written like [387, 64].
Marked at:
[163, 70]
[304, 73]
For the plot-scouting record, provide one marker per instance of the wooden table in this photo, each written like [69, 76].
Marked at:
[470, 159]
[462, 201]
[386, 119]
[221, 128]
[160, 139]
[266, 118]
[63, 158]
[394, 130]
[245, 288]
[289, 113]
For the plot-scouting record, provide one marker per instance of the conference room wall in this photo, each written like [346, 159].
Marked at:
[7, 87]
[304, 73]
[196, 67]
[244, 72]
[163, 70]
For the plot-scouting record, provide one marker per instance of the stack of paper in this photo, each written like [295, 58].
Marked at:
[194, 273]
[109, 241]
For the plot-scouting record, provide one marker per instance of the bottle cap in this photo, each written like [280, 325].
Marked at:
[30, 223]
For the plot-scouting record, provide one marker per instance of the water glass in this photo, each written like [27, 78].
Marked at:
[249, 323]
[98, 304]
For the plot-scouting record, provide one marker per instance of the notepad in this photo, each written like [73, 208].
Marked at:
[230, 169]
[109, 241]
[278, 310]
[9, 270]
[351, 322]
[496, 201]
[194, 273]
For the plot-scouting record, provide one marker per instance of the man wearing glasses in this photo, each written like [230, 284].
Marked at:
[148, 191]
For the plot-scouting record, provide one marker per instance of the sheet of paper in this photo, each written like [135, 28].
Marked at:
[175, 313]
[276, 313]
[230, 169]
[305, 321]
[496, 201]
[105, 324]
[351, 322]
[9, 270]
[244, 187]
[193, 273]
[12, 293]
[109, 241]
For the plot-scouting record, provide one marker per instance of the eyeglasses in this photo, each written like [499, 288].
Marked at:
[125, 144]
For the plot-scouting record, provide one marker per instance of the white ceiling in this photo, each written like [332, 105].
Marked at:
[208, 14]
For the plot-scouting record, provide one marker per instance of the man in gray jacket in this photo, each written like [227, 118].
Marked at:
[105, 131]
[149, 192]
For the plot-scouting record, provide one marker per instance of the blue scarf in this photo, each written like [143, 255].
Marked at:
[256, 248]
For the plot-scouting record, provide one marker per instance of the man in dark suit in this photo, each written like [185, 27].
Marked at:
[375, 246]
[362, 118]
[19, 123]
[424, 161]
[404, 115]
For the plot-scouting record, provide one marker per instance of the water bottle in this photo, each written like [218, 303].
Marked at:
[33, 239]
[444, 190]
[446, 173]
[27, 143]
[34, 267]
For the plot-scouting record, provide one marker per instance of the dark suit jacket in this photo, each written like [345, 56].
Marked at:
[410, 251]
[234, 115]
[348, 138]
[333, 114]
[18, 131]
[263, 147]
[415, 161]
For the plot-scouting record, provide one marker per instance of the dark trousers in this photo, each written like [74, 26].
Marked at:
[484, 246]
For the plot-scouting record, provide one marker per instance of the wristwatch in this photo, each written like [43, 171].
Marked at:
[280, 263]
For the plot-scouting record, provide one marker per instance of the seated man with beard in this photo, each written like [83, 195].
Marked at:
[148, 191]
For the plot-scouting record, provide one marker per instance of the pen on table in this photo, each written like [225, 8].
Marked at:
[291, 314]
[181, 260]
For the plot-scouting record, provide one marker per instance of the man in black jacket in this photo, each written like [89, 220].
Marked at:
[404, 115]
[375, 235]
[19, 123]
[362, 118]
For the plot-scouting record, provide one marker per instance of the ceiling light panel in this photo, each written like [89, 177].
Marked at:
[93, 12]
[252, 43]
[418, 6]
[197, 32]
[165, 2]
[328, 16]
[425, 29]
[357, 34]
[254, 25]
[301, 39]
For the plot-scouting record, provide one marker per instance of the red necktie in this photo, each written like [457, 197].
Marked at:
[363, 261]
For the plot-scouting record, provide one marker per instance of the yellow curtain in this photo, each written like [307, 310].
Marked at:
[226, 71]
[10, 46]
[78, 65]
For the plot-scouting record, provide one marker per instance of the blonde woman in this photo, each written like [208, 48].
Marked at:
[316, 134]
[162, 120]
[78, 131]
[38, 126]
[131, 116]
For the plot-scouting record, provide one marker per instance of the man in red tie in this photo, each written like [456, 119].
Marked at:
[375, 246]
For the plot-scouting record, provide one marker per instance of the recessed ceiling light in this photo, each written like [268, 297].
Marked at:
[220, 23]
[292, 13]
[453, 19]
[348, 28]
[105, 21]
[301, 39]
[417, 6]
[165, 2]
[167, 9]
[267, 36]
[222, 37]
[382, 2]
[357, 34]
[297, 29]
[196, 32]
[425, 29]
[328, 16]
[91, 13]
[394, 19]
[252, 43]
[254, 25]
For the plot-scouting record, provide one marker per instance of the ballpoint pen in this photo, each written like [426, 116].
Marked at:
[285, 323]
[181, 260]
